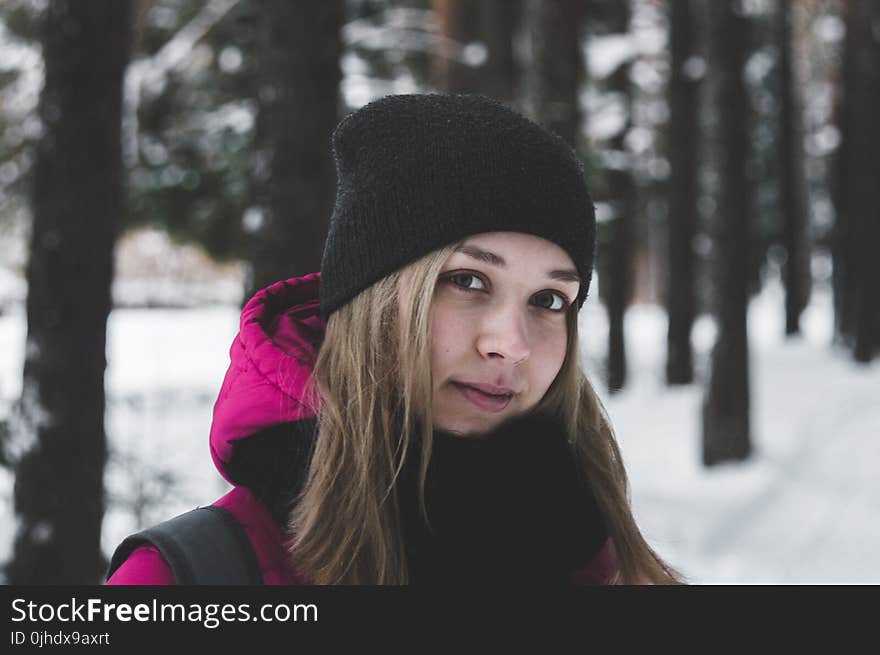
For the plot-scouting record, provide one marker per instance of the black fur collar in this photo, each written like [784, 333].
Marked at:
[509, 507]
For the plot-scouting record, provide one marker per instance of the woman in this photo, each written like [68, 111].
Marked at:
[416, 412]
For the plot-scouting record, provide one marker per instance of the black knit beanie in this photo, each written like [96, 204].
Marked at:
[418, 172]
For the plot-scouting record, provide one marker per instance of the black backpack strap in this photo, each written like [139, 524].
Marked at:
[205, 546]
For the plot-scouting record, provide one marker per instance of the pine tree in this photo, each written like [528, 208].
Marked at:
[683, 149]
[793, 206]
[297, 57]
[77, 203]
[726, 431]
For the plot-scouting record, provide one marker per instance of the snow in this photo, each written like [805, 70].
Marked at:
[20, 95]
[605, 53]
[802, 509]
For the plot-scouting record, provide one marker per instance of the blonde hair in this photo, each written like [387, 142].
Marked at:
[371, 391]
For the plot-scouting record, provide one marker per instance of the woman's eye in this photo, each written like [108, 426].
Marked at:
[551, 301]
[466, 280]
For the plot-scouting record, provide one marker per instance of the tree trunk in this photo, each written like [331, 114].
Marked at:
[621, 197]
[865, 175]
[726, 432]
[792, 192]
[298, 50]
[77, 200]
[683, 148]
[500, 73]
[556, 65]
[458, 26]
[843, 245]
[459, 65]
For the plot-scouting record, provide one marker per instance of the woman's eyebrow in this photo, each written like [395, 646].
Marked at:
[563, 275]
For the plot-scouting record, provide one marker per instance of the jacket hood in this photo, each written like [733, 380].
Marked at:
[271, 359]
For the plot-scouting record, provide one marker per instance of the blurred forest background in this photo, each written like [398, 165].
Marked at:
[160, 154]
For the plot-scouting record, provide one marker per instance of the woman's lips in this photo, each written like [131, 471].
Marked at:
[484, 401]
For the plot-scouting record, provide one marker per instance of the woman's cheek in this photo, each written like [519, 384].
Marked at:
[552, 351]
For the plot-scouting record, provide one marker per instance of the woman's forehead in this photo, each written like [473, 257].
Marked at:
[514, 248]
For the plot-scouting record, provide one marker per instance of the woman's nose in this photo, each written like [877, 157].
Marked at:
[503, 333]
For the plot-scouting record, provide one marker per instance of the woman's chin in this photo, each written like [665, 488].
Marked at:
[469, 428]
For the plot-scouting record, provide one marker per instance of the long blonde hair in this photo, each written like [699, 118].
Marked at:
[371, 390]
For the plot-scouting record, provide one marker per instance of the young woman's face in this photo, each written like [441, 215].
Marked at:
[498, 328]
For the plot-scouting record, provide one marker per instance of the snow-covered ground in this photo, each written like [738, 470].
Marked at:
[803, 509]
